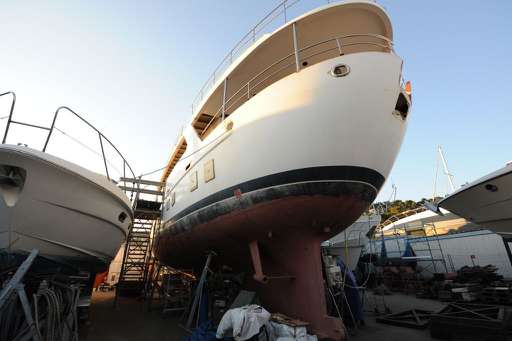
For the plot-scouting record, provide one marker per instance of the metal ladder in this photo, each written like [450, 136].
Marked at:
[136, 258]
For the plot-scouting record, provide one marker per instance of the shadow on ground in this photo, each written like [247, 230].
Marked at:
[130, 321]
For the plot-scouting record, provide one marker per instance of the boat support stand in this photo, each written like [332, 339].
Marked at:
[15, 285]
[259, 276]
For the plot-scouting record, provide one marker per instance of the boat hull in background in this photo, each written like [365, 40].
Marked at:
[77, 219]
[486, 201]
[350, 243]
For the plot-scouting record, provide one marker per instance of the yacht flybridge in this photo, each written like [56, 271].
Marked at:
[290, 141]
[76, 218]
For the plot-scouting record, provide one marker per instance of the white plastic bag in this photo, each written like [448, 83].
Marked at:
[244, 322]
[283, 332]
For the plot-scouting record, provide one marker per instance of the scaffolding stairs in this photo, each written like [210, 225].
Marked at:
[147, 198]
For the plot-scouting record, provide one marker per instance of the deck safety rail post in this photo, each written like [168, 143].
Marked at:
[224, 97]
[339, 46]
[296, 47]
[284, 10]
[51, 130]
[103, 154]
[10, 113]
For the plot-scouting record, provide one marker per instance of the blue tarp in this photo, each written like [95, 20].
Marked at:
[408, 252]
[383, 251]
[352, 293]
[205, 332]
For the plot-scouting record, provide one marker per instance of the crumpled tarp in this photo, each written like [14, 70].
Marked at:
[244, 322]
[281, 332]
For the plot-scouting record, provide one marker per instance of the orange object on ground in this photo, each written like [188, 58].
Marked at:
[100, 278]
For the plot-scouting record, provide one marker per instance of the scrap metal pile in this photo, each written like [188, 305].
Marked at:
[488, 322]
[38, 306]
[469, 284]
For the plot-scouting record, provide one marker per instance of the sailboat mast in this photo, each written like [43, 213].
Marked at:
[445, 166]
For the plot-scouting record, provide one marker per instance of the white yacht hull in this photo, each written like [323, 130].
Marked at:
[73, 216]
[294, 166]
[350, 243]
[486, 201]
[288, 145]
[307, 121]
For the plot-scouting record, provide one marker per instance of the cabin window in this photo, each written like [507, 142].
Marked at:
[491, 188]
[193, 181]
[402, 106]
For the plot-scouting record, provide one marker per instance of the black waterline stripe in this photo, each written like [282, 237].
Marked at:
[325, 173]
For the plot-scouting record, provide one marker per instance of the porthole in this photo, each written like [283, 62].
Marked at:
[491, 188]
[340, 70]
[122, 217]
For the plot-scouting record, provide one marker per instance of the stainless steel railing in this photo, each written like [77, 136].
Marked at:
[244, 92]
[102, 138]
[278, 13]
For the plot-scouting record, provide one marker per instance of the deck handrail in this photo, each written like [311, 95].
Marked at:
[246, 88]
[242, 45]
[50, 130]
[401, 215]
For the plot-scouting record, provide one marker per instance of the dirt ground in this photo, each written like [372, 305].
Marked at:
[130, 321]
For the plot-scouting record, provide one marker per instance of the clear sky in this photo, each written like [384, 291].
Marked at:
[133, 68]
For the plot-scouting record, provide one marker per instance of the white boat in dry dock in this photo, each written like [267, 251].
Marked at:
[290, 141]
[73, 216]
[350, 243]
[486, 201]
